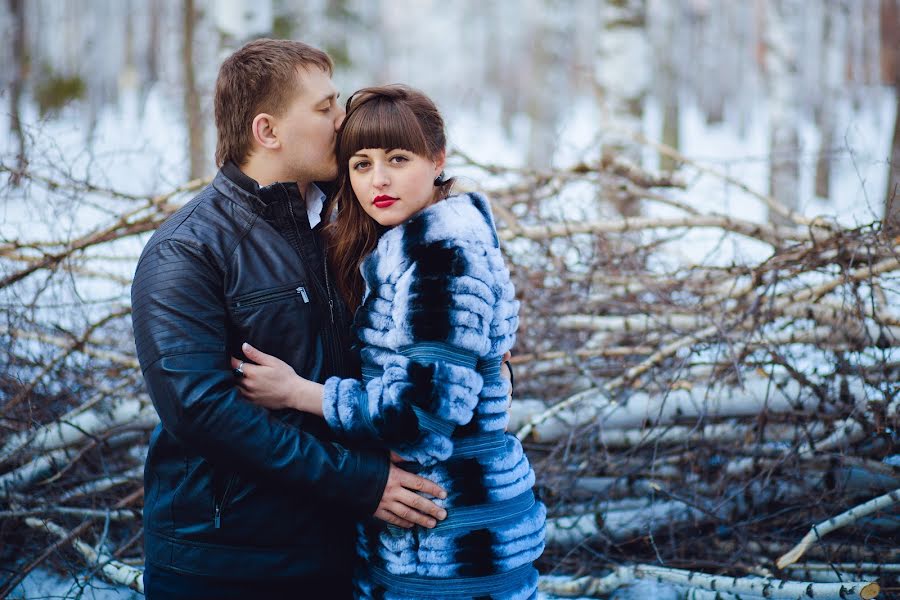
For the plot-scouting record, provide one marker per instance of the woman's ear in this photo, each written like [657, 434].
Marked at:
[439, 162]
[263, 129]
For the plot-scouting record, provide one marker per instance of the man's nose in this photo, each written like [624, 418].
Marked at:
[342, 112]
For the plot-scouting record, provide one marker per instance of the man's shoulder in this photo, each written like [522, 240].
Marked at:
[209, 217]
[209, 224]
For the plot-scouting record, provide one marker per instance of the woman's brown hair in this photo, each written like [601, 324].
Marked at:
[387, 117]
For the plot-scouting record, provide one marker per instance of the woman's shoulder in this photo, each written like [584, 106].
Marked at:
[463, 218]
[461, 222]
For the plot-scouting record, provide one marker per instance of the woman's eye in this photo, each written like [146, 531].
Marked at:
[399, 158]
[360, 165]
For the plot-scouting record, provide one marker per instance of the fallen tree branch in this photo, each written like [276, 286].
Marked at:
[842, 520]
[718, 585]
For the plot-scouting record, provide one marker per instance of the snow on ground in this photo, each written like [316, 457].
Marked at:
[45, 584]
[42, 583]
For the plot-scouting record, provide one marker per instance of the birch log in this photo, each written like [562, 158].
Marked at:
[711, 587]
[760, 586]
[77, 426]
[842, 520]
[701, 594]
[26, 475]
[112, 570]
[662, 409]
[588, 585]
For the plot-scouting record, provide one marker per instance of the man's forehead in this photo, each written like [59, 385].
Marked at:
[316, 84]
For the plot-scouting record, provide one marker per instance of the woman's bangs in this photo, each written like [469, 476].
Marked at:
[381, 123]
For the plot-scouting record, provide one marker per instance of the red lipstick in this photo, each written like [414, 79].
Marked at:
[383, 201]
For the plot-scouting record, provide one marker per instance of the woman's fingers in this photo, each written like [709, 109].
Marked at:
[260, 357]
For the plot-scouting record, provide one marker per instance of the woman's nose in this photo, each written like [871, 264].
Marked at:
[379, 176]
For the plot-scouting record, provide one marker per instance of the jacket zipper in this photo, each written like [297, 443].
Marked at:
[217, 517]
[331, 341]
[328, 288]
[254, 299]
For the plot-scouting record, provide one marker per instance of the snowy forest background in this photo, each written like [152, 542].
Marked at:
[699, 202]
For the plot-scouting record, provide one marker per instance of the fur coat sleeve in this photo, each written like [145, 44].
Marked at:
[439, 306]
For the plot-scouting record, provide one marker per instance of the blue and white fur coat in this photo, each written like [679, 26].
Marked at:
[438, 314]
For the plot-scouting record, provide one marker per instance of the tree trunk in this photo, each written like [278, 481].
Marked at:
[623, 48]
[17, 8]
[892, 196]
[890, 64]
[834, 41]
[781, 70]
[196, 152]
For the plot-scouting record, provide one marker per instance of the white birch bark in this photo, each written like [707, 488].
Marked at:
[842, 520]
[33, 470]
[865, 567]
[702, 586]
[78, 425]
[588, 585]
[783, 18]
[801, 295]
[760, 586]
[774, 236]
[26, 475]
[123, 514]
[715, 433]
[834, 317]
[701, 594]
[112, 570]
[619, 521]
[100, 485]
[691, 405]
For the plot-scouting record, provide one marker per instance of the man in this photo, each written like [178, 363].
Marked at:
[240, 502]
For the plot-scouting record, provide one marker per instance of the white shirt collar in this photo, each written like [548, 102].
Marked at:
[315, 201]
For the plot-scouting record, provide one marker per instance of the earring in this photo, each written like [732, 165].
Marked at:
[439, 180]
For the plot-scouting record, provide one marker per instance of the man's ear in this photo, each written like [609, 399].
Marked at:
[263, 129]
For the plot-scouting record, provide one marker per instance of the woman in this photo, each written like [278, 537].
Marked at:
[435, 312]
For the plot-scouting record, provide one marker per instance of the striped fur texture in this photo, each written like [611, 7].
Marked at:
[439, 310]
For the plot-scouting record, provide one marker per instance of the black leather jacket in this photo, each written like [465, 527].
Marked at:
[233, 490]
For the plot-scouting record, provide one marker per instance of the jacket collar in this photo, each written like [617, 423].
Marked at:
[239, 178]
[240, 187]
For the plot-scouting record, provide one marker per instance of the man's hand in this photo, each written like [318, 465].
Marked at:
[402, 506]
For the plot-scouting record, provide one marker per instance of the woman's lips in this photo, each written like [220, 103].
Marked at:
[383, 201]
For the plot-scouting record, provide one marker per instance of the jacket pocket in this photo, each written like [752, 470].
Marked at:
[220, 501]
[284, 292]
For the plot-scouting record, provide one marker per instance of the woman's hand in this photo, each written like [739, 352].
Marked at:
[272, 383]
[507, 375]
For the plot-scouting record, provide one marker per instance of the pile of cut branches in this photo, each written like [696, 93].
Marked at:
[698, 391]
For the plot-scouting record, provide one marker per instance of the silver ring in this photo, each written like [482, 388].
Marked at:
[239, 371]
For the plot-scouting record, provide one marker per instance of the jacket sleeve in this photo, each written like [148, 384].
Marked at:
[179, 319]
[442, 309]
